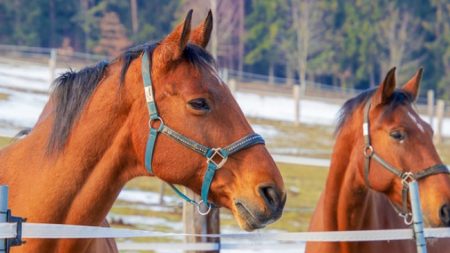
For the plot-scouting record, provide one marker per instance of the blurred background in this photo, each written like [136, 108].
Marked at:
[290, 64]
[349, 44]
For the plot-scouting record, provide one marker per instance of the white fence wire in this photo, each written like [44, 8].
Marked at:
[42, 230]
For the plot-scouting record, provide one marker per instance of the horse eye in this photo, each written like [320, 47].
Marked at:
[398, 135]
[199, 104]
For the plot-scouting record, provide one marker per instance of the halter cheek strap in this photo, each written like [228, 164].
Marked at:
[406, 176]
[215, 157]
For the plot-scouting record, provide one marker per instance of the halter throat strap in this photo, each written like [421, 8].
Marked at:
[215, 157]
[406, 176]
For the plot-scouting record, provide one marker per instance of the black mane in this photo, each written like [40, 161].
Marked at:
[399, 97]
[72, 90]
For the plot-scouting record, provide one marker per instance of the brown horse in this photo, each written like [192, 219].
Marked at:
[363, 194]
[91, 139]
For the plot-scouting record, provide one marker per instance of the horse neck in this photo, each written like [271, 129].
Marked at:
[82, 181]
[348, 204]
[345, 195]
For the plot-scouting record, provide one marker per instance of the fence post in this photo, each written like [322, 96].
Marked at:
[296, 95]
[430, 106]
[440, 107]
[421, 243]
[162, 190]
[194, 223]
[3, 212]
[233, 86]
[225, 75]
[52, 64]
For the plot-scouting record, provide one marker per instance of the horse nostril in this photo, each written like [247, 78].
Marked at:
[444, 214]
[271, 197]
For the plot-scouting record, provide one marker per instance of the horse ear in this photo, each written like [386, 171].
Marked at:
[202, 33]
[412, 86]
[174, 44]
[386, 88]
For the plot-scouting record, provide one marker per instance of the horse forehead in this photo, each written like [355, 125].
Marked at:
[406, 115]
[202, 78]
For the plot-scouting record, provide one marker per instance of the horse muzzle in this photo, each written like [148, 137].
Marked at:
[254, 215]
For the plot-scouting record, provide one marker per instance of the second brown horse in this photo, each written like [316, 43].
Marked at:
[352, 201]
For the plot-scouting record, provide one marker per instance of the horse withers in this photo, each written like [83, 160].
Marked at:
[381, 144]
[92, 138]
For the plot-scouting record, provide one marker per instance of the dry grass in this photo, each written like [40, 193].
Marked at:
[3, 96]
[304, 186]
[4, 141]
[444, 150]
[302, 140]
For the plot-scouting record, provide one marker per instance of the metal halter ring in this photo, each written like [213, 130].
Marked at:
[407, 218]
[407, 177]
[368, 151]
[217, 153]
[201, 203]
[161, 123]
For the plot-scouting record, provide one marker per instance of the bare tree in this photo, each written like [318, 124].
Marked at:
[307, 20]
[308, 28]
[226, 40]
[399, 35]
[134, 16]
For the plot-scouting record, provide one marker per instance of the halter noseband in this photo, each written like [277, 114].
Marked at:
[406, 176]
[215, 157]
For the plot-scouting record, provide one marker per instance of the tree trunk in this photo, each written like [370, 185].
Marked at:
[271, 73]
[241, 38]
[372, 79]
[289, 75]
[52, 40]
[214, 39]
[84, 8]
[134, 16]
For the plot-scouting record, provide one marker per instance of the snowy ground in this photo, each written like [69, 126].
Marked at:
[150, 201]
[22, 109]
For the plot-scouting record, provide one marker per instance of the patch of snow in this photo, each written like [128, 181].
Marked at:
[21, 109]
[149, 198]
[282, 108]
[139, 220]
[266, 131]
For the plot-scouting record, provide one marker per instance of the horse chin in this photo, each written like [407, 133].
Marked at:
[246, 219]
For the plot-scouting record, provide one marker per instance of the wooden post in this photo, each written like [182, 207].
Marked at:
[440, 107]
[3, 211]
[194, 223]
[233, 86]
[296, 94]
[162, 189]
[430, 106]
[224, 75]
[52, 64]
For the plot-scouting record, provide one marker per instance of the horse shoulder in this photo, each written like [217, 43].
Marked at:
[317, 224]
[104, 245]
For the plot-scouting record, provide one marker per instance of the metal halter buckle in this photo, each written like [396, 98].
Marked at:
[200, 204]
[152, 121]
[368, 151]
[217, 154]
[407, 177]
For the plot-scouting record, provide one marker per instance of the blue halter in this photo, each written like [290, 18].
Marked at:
[215, 157]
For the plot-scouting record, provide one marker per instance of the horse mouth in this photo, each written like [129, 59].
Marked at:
[248, 221]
